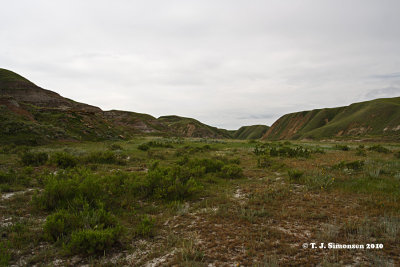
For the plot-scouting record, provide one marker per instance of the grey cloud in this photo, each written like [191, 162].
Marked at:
[257, 116]
[389, 76]
[384, 92]
[226, 63]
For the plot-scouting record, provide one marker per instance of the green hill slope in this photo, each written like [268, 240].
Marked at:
[250, 132]
[188, 127]
[33, 115]
[375, 118]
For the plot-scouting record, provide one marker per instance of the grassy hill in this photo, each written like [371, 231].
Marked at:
[188, 127]
[375, 118]
[33, 115]
[250, 132]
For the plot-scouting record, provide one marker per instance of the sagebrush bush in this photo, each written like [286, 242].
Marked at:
[379, 148]
[210, 165]
[73, 187]
[61, 223]
[356, 165]
[64, 160]
[172, 183]
[91, 241]
[34, 158]
[231, 172]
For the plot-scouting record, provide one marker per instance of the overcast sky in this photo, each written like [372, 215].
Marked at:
[226, 63]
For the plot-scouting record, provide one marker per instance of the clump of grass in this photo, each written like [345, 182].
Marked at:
[34, 158]
[5, 253]
[145, 227]
[319, 181]
[391, 227]
[190, 253]
[264, 162]
[360, 151]
[295, 175]
[397, 154]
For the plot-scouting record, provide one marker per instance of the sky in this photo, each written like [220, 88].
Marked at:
[227, 63]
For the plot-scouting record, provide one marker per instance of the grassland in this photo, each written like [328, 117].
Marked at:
[375, 119]
[195, 202]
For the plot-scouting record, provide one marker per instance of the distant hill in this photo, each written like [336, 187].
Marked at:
[250, 132]
[375, 118]
[189, 127]
[33, 115]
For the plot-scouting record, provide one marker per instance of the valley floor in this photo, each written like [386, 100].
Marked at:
[198, 202]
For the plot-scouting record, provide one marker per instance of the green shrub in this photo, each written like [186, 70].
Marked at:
[259, 150]
[144, 147]
[210, 165]
[64, 160]
[354, 165]
[285, 151]
[116, 147]
[379, 148]
[342, 147]
[319, 181]
[173, 183]
[361, 152]
[146, 227]
[58, 192]
[75, 187]
[318, 150]
[164, 144]
[60, 224]
[104, 157]
[295, 175]
[9, 177]
[34, 158]
[91, 241]
[231, 172]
